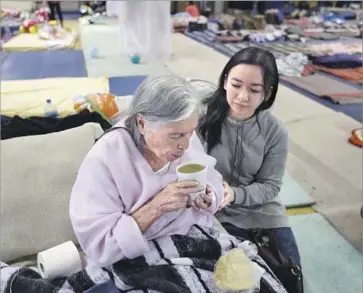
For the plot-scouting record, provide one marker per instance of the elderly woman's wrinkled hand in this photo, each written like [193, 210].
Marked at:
[204, 201]
[176, 195]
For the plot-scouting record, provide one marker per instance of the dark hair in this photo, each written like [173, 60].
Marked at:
[217, 105]
[190, 2]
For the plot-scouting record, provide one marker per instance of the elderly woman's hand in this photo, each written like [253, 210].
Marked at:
[204, 201]
[229, 196]
[176, 195]
[172, 198]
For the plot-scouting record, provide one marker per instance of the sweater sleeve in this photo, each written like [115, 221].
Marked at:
[215, 180]
[268, 180]
[105, 232]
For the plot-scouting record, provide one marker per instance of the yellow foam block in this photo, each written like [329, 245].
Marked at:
[32, 42]
[28, 97]
[299, 211]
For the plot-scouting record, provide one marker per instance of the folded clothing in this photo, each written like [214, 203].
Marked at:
[335, 48]
[292, 65]
[338, 60]
[352, 74]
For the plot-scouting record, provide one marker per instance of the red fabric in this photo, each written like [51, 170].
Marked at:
[192, 10]
[351, 74]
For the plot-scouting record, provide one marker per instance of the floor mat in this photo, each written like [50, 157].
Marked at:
[109, 61]
[293, 195]
[354, 111]
[42, 64]
[124, 85]
[335, 184]
[330, 263]
[32, 42]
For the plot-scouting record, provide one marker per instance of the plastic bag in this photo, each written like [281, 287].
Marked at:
[104, 104]
[234, 272]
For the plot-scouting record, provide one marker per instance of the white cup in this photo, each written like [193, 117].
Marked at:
[199, 175]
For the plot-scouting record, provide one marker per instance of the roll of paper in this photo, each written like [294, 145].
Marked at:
[60, 261]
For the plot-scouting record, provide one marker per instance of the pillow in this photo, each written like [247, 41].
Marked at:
[204, 88]
[38, 173]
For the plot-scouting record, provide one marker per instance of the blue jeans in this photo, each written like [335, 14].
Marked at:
[284, 236]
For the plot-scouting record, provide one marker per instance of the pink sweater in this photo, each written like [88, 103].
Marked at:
[114, 181]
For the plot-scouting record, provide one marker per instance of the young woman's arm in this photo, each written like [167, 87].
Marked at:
[269, 178]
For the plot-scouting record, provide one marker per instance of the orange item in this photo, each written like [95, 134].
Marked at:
[352, 74]
[356, 138]
[105, 103]
[193, 10]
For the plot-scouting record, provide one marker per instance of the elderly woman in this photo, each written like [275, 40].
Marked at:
[138, 227]
[126, 191]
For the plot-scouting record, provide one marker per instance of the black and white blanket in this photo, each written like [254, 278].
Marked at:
[175, 264]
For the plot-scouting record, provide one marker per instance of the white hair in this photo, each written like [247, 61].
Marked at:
[161, 100]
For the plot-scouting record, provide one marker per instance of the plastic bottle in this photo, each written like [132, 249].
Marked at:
[50, 110]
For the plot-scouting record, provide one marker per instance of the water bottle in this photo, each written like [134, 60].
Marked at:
[50, 110]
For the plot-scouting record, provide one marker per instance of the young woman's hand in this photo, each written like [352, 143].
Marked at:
[229, 196]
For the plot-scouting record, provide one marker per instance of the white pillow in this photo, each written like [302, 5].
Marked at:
[37, 175]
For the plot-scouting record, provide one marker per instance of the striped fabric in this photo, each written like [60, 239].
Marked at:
[178, 263]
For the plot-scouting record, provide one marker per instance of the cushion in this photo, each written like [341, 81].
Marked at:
[204, 88]
[38, 174]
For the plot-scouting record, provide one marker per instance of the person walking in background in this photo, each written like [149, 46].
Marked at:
[55, 7]
[192, 9]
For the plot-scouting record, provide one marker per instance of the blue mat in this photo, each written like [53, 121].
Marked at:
[330, 264]
[42, 64]
[228, 49]
[292, 195]
[124, 85]
[71, 15]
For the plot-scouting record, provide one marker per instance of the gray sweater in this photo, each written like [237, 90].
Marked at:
[262, 154]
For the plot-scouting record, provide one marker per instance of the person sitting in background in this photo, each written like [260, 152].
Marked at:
[126, 191]
[192, 9]
[250, 146]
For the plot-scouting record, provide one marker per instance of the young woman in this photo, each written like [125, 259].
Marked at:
[250, 146]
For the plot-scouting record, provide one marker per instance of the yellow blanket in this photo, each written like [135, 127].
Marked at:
[28, 97]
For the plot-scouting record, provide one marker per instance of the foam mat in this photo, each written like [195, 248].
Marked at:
[293, 195]
[329, 262]
[31, 42]
[42, 64]
[110, 61]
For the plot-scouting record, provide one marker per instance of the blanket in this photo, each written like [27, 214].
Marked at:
[27, 98]
[177, 263]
